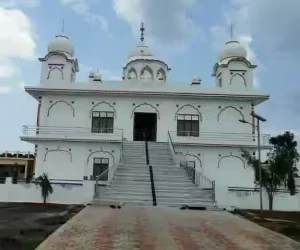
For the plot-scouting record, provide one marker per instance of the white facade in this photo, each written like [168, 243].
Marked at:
[66, 146]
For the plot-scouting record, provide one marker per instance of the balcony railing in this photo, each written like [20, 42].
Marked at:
[54, 132]
[219, 138]
[17, 154]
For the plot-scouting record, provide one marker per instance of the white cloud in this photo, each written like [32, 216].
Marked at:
[16, 40]
[274, 21]
[7, 70]
[17, 3]
[4, 90]
[82, 7]
[166, 22]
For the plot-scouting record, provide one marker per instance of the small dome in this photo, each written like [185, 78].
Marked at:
[97, 76]
[233, 49]
[140, 50]
[196, 80]
[61, 43]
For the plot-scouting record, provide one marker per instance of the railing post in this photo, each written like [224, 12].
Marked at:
[214, 191]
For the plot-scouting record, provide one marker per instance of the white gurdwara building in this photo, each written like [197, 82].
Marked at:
[87, 128]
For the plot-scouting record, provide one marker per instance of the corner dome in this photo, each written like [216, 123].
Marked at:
[233, 49]
[141, 50]
[61, 43]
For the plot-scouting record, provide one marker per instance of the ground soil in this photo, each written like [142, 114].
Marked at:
[286, 223]
[25, 226]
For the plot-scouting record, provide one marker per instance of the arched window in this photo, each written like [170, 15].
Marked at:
[161, 75]
[132, 74]
[146, 73]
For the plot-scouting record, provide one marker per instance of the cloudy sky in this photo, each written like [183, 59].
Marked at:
[187, 34]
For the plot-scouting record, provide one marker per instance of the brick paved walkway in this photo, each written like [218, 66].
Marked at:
[162, 229]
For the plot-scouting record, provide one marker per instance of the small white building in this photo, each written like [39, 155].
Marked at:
[81, 126]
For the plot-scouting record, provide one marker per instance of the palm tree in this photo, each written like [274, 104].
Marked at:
[45, 185]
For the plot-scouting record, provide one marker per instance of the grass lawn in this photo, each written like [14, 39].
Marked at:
[286, 223]
[24, 226]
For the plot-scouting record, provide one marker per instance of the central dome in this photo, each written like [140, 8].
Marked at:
[61, 43]
[233, 49]
[141, 50]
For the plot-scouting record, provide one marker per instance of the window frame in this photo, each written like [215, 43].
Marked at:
[188, 122]
[101, 164]
[105, 117]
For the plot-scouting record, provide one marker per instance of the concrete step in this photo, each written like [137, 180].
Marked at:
[126, 203]
[164, 195]
[133, 175]
[131, 183]
[144, 190]
[208, 205]
[124, 193]
[133, 170]
[123, 198]
[183, 200]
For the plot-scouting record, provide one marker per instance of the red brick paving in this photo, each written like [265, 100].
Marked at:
[132, 228]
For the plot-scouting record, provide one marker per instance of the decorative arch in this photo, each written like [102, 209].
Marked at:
[58, 150]
[145, 104]
[229, 107]
[144, 70]
[100, 151]
[231, 156]
[188, 105]
[240, 76]
[61, 101]
[188, 154]
[103, 102]
[132, 72]
[161, 72]
[56, 68]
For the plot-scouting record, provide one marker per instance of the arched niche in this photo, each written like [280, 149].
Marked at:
[238, 80]
[146, 73]
[55, 73]
[98, 154]
[132, 74]
[147, 106]
[63, 103]
[58, 151]
[188, 109]
[103, 106]
[192, 157]
[234, 114]
[234, 172]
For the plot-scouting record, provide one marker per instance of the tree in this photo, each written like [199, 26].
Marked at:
[280, 168]
[45, 185]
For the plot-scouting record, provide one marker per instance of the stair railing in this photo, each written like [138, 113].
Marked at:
[171, 147]
[110, 171]
[199, 179]
[122, 145]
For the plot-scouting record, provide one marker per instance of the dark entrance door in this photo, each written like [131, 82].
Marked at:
[144, 126]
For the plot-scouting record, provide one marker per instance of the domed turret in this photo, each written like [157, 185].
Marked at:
[232, 49]
[140, 50]
[61, 43]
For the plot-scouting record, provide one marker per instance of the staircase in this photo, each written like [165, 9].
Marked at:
[172, 185]
[131, 183]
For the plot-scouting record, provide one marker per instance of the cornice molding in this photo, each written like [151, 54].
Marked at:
[36, 139]
[144, 93]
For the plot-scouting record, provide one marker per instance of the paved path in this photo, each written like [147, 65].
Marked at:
[162, 229]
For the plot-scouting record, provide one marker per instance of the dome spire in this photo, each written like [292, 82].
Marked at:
[142, 32]
[231, 31]
[63, 26]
